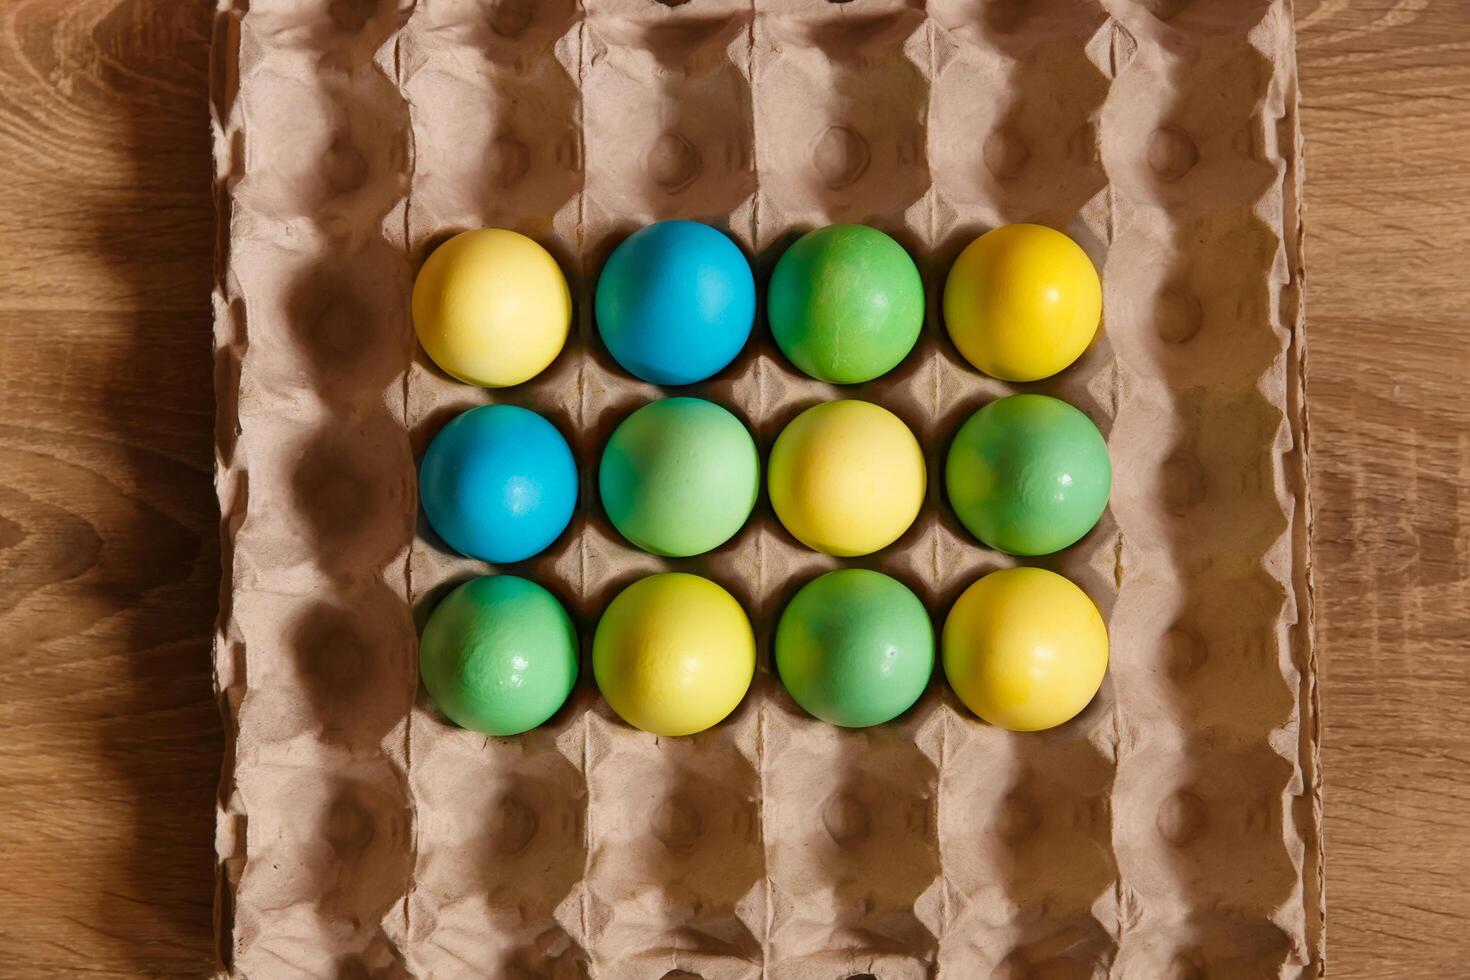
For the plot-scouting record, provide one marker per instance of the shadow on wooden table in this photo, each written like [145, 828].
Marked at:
[154, 227]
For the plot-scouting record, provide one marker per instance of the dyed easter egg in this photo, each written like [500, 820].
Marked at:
[491, 307]
[1028, 474]
[1025, 649]
[673, 654]
[1022, 302]
[679, 476]
[498, 655]
[498, 483]
[855, 648]
[675, 302]
[846, 303]
[846, 477]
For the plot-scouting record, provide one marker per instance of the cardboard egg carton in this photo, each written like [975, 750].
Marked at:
[1171, 830]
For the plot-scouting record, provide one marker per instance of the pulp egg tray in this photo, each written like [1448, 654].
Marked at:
[1170, 831]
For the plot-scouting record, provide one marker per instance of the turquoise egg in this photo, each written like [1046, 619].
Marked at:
[498, 483]
[675, 302]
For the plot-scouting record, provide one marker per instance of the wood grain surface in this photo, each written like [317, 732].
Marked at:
[109, 738]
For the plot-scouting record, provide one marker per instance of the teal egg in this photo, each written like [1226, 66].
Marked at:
[855, 648]
[1028, 474]
[679, 477]
[499, 655]
[675, 302]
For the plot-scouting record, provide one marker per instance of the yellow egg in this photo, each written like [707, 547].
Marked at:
[1025, 649]
[846, 477]
[491, 307]
[1022, 302]
[673, 654]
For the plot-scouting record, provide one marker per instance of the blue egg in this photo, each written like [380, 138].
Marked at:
[675, 302]
[498, 483]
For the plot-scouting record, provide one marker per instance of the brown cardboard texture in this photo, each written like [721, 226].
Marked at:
[1172, 830]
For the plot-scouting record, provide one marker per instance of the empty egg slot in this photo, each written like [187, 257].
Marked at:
[1200, 825]
[324, 151]
[1205, 146]
[1027, 151]
[331, 669]
[668, 110]
[328, 481]
[676, 867]
[851, 844]
[501, 850]
[1025, 837]
[329, 862]
[841, 98]
[507, 145]
[1187, 301]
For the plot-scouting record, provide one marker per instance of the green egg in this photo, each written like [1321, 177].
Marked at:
[1028, 475]
[855, 648]
[679, 477]
[846, 303]
[498, 655]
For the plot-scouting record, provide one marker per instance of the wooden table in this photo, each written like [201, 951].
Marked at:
[109, 737]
